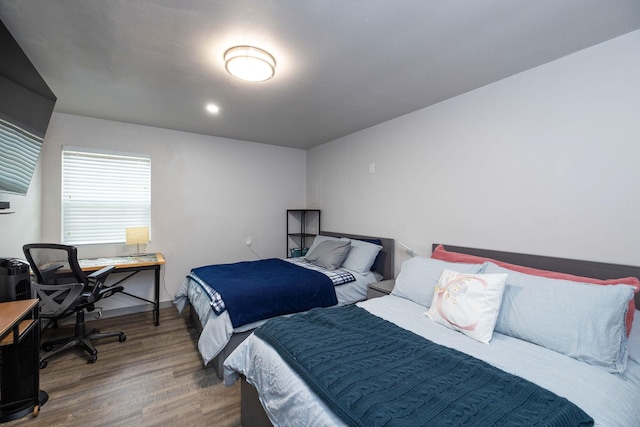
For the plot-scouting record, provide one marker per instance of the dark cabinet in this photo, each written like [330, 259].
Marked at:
[19, 352]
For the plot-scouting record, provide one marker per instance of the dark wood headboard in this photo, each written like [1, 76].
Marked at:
[384, 262]
[598, 270]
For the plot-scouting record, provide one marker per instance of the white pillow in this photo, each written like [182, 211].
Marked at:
[468, 303]
[418, 276]
[362, 256]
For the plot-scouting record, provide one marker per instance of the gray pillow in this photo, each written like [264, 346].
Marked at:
[329, 254]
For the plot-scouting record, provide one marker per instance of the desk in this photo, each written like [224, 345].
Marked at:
[132, 264]
[20, 391]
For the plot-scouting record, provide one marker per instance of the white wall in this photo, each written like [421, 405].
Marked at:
[544, 162]
[208, 195]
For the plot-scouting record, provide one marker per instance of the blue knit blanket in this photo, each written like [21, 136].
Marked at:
[370, 372]
[258, 290]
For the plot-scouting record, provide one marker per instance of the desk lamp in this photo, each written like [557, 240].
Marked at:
[137, 236]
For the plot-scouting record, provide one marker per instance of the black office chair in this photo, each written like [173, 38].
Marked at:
[64, 289]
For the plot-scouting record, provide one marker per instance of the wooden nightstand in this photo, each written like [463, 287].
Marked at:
[380, 289]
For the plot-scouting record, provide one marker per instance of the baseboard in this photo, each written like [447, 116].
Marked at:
[114, 312]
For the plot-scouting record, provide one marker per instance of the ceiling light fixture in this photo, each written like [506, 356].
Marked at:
[213, 108]
[249, 63]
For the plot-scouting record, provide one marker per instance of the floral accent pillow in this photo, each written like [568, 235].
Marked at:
[468, 303]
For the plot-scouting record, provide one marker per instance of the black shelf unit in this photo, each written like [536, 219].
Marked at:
[303, 225]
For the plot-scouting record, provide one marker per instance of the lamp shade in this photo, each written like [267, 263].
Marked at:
[137, 235]
[249, 63]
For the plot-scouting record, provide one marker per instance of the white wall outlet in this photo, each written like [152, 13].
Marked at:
[372, 168]
[249, 241]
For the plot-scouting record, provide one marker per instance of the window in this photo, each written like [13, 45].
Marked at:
[103, 193]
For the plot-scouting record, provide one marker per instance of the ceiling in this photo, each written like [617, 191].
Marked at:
[342, 65]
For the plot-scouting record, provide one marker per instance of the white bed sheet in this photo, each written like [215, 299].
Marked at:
[217, 329]
[609, 399]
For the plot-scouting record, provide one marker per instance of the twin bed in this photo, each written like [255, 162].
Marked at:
[220, 334]
[561, 350]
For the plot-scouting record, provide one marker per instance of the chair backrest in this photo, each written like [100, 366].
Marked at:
[54, 263]
[60, 281]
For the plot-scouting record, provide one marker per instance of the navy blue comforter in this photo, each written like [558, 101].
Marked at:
[258, 290]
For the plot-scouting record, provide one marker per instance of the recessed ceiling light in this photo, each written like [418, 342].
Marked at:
[249, 63]
[213, 108]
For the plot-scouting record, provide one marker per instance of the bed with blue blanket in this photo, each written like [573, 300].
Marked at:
[228, 301]
[384, 362]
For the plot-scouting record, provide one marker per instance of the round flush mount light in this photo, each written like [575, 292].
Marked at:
[212, 108]
[249, 63]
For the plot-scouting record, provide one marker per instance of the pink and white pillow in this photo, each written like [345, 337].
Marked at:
[468, 303]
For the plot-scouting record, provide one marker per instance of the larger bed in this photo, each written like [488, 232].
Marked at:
[588, 378]
[218, 335]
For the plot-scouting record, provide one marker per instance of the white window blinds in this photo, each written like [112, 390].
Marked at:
[103, 193]
[19, 152]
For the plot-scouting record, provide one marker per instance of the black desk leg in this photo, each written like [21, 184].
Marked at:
[156, 304]
[41, 396]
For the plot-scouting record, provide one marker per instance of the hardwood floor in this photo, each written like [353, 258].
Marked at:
[154, 378]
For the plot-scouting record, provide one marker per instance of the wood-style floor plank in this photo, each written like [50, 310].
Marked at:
[154, 378]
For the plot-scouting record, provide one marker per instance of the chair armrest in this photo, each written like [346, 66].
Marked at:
[106, 292]
[48, 271]
[96, 282]
[101, 274]
[50, 268]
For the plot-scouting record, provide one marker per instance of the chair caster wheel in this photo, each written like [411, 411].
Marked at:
[92, 359]
[122, 338]
[43, 364]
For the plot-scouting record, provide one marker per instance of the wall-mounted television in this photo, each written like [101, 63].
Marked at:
[26, 105]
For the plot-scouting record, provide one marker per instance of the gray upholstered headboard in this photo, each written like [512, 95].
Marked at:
[598, 270]
[384, 263]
